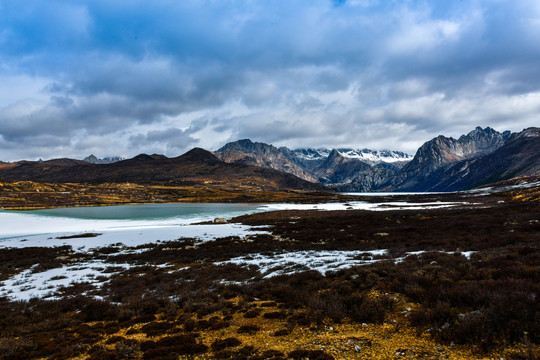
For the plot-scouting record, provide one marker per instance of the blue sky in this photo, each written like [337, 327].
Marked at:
[126, 77]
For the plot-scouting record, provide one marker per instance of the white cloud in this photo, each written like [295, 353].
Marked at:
[416, 33]
[303, 73]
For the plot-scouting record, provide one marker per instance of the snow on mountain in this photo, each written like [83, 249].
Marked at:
[372, 156]
[106, 160]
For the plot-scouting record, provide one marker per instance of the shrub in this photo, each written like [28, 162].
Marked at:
[225, 343]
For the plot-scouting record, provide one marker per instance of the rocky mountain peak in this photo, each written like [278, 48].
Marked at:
[247, 152]
[334, 154]
[91, 159]
[106, 160]
[443, 150]
[529, 132]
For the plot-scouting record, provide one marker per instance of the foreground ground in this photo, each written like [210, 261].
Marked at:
[451, 283]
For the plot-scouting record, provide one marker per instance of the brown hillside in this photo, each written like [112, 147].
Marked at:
[196, 167]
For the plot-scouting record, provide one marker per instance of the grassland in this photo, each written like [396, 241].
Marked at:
[36, 195]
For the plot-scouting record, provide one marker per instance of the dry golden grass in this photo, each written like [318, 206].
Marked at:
[394, 339]
[25, 195]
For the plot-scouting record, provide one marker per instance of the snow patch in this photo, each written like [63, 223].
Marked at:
[360, 205]
[46, 284]
[271, 265]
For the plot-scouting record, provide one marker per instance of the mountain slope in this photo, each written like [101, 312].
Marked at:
[344, 169]
[106, 160]
[197, 167]
[337, 169]
[247, 152]
[442, 152]
[518, 157]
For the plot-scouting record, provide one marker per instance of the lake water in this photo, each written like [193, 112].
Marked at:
[134, 225]
[149, 211]
[131, 225]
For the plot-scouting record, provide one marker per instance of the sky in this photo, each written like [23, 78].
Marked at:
[119, 77]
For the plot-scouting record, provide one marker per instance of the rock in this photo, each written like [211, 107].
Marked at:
[220, 221]
[469, 314]
[357, 348]
[364, 325]
[381, 234]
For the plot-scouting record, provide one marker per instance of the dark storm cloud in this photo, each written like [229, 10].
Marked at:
[297, 73]
[168, 139]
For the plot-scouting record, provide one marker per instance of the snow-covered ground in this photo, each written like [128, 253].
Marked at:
[322, 261]
[360, 205]
[45, 284]
[289, 262]
[31, 229]
[491, 190]
[129, 234]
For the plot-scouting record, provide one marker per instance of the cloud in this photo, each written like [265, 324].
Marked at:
[164, 141]
[162, 76]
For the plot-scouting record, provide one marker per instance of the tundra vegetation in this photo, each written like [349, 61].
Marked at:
[456, 283]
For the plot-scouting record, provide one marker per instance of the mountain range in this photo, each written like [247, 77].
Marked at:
[106, 160]
[197, 167]
[442, 164]
[482, 156]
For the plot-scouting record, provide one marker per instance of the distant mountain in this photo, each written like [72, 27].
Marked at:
[352, 174]
[519, 156]
[344, 168]
[442, 164]
[337, 169]
[197, 167]
[367, 155]
[106, 160]
[442, 152]
[247, 152]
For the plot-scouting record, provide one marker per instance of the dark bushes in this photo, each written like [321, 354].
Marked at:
[225, 343]
[156, 328]
[248, 329]
[177, 345]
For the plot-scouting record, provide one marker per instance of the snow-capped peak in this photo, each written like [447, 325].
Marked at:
[374, 156]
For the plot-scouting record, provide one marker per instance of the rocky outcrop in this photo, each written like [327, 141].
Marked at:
[247, 152]
[442, 152]
[344, 169]
[337, 169]
[92, 159]
[518, 157]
